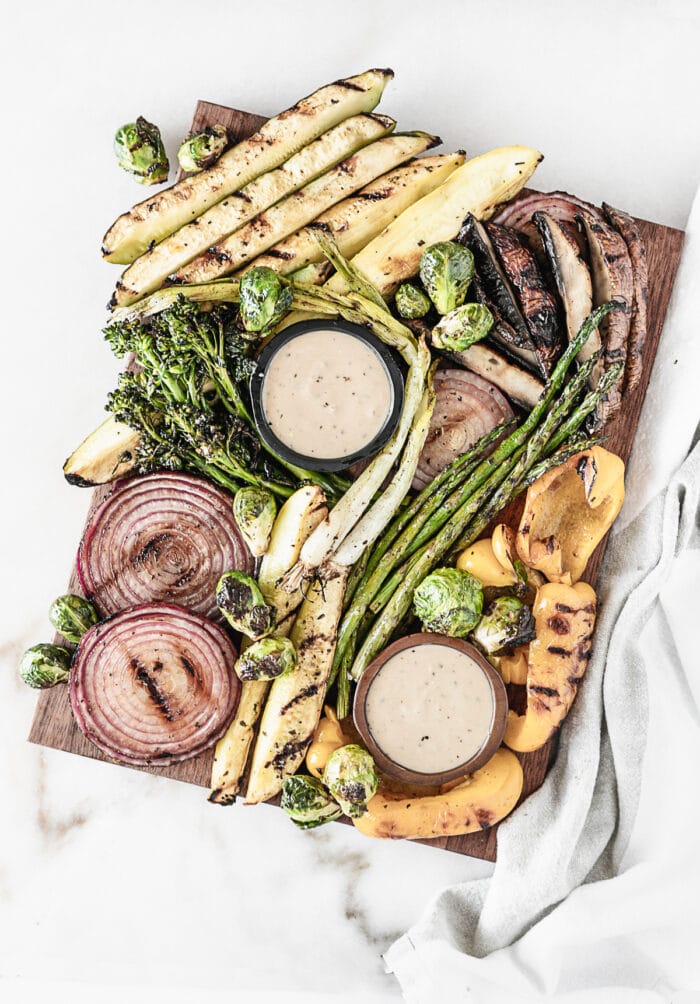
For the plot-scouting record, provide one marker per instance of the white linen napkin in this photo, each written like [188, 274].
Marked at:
[596, 891]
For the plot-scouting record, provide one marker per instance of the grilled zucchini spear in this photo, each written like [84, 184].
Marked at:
[303, 206]
[280, 137]
[297, 518]
[355, 221]
[477, 187]
[149, 271]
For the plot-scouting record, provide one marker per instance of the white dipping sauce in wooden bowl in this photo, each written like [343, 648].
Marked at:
[326, 394]
[430, 709]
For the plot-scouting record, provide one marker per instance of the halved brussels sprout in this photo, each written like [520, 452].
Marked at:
[449, 601]
[307, 803]
[411, 302]
[242, 603]
[267, 659]
[351, 778]
[202, 149]
[462, 327]
[264, 298]
[140, 152]
[72, 616]
[45, 665]
[446, 269]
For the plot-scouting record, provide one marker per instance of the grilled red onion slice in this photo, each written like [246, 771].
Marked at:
[161, 538]
[154, 684]
[561, 206]
[466, 408]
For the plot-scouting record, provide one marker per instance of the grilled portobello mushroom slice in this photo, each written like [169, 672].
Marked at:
[495, 291]
[573, 282]
[611, 274]
[627, 227]
[538, 305]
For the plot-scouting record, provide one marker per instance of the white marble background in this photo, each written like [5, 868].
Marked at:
[116, 885]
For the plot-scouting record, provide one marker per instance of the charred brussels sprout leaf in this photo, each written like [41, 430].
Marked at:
[351, 778]
[254, 510]
[203, 148]
[507, 623]
[45, 665]
[449, 601]
[72, 616]
[140, 152]
[240, 600]
[462, 327]
[267, 659]
[446, 269]
[307, 803]
[264, 299]
[411, 302]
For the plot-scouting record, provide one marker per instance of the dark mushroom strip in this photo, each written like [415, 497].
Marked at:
[573, 282]
[512, 335]
[627, 227]
[538, 305]
[611, 273]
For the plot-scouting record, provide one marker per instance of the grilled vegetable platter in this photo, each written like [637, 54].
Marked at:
[228, 598]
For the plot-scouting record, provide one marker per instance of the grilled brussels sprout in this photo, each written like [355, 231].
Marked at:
[267, 659]
[446, 269]
[307, 803]
[462, 327]
[264, 299]
[72, 616]
[45, 665]
[351, 778]
[203, 148]
[449, 601]
[254, 510]
[507, 623]
[411, 302]
[240, 600]
[140, 152]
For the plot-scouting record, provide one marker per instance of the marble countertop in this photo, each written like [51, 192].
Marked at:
[114, 881]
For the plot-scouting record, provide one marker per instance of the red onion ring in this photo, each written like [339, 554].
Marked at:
[154, 685]
[561, 206]
[466, 408]
[161, 538]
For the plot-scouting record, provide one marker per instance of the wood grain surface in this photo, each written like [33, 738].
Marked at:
[53, 723]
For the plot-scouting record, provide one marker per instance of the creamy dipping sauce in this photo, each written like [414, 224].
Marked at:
[430, 708]
[326, 394]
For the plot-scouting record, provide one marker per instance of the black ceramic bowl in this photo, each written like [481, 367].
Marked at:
[257, 380]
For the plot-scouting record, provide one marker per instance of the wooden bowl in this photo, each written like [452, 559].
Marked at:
[498, 725]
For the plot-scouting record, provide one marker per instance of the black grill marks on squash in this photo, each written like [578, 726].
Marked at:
[301, 696]
[289, 750]
[545, 691]
[559, 625]
[159, 699]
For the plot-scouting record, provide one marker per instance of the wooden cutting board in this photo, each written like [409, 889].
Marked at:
[53, 723]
